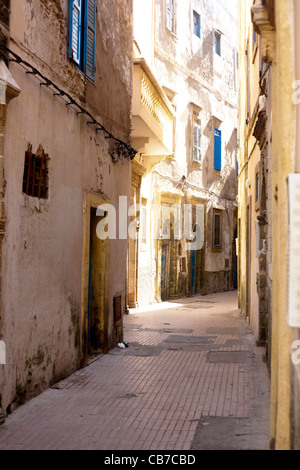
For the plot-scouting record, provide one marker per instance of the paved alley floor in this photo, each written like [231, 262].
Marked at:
[191, 379]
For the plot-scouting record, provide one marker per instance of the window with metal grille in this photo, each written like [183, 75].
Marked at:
[35, 177]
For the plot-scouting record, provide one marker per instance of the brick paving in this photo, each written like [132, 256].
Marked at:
[173, 381]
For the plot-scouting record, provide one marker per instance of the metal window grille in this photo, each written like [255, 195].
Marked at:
[35, 176]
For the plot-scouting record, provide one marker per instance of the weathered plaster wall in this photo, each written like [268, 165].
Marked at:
[279, 48]
[249, 157]
[43, 245]
[284, 125]
[113, 53]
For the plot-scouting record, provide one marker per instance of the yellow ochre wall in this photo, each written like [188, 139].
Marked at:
[280, 49]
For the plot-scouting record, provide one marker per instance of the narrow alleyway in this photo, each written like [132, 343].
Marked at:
[192, 378]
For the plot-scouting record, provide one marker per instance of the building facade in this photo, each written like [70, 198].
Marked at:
[65, 150]
[269, 149]
[255, 180]
[185, 131]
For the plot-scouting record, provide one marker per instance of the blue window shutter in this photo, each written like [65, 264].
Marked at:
[197, 24]
[75, 30]
[89, 38]
[218, 150]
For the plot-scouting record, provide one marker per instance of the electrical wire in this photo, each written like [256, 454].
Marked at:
[123, 148]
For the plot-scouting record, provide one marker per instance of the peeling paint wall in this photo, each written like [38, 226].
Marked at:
[43, 245]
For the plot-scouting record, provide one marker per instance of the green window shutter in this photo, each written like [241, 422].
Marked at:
[75, 30]
[89, 39]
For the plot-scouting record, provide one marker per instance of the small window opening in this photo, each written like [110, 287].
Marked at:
[35, 177]
[217, 231]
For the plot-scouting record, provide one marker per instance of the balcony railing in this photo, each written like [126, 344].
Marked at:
[153, 115]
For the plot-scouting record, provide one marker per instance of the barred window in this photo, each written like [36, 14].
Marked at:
[35, 178]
